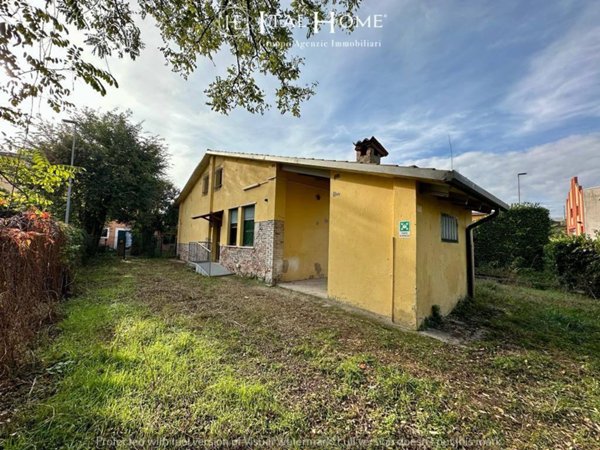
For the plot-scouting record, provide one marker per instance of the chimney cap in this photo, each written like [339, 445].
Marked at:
[362, 146]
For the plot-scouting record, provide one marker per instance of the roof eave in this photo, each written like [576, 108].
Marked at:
[450, 177]
[461, 182]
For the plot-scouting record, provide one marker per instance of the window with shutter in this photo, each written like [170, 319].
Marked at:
[449, 228]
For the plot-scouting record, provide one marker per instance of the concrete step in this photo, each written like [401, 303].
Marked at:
[210, 269]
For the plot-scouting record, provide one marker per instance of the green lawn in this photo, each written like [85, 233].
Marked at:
[149, 354]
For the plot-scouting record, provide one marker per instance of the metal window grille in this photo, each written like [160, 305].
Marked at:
[449, 228]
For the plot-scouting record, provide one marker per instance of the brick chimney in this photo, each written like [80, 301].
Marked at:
[369, 151]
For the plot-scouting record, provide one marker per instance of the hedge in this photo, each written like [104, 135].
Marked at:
[37, 254]
[575, 260]
[514, 239]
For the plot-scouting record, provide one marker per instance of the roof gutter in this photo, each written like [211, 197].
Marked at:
[457, 180]
[471, 252]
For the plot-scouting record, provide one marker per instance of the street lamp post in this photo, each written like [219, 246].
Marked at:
[68, 210]
[519, 175]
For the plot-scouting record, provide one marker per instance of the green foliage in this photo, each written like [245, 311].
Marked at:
[38, 52]
[74, 249]
[158, 221]
[124, 176]
[516, 238]
[434, 320]
[33, 180]
[576, 262]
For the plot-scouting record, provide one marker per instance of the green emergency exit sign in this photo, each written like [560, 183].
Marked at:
[404, 228]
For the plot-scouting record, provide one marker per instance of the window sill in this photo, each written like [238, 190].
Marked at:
[238, 246]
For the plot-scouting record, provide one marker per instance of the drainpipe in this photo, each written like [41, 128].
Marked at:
[471, 253]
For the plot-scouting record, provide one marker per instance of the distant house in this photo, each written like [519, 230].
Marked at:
[113, 232]
[388, 239]
[582, 209]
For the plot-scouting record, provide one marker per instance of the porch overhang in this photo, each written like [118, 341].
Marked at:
[212, 217]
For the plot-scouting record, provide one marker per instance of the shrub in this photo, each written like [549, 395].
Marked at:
[74, 249]
[576, 262]
[515, 239]
[32, 279]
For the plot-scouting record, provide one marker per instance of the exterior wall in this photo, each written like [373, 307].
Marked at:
[591, 206]
[373, 267]
[360, 251]
[257, 261]
[305, 248]
[345, 228]
[442, 274]
[574, 210]
[244, 183]
[404, 250]
[237, 175]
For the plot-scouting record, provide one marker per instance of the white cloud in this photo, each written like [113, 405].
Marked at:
[562, 82]
[549, 168]
[426, 97]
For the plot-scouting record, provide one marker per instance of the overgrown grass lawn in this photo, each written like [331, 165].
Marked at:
[151, 355]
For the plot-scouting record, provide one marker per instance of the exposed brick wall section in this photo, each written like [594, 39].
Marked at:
[277, 251]
[183, 251]
[264, 260]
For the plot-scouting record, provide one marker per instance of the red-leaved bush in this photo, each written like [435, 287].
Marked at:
[32, 274]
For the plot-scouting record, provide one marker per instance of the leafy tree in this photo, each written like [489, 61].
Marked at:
[38, 49]
[32, 180]
[161, 220]
[124, 168]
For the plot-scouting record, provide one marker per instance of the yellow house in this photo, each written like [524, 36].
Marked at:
[388, 239]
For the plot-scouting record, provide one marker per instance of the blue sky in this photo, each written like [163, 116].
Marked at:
[515, 84]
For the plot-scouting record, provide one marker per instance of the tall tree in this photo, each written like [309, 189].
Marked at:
[38, 49]
[157, 222]
[123, 174]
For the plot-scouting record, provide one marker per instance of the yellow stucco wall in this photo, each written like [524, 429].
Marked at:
[349, 235]
[237, 174]
[442, 273]
[306, 227]
[360, 251]
[404, 311]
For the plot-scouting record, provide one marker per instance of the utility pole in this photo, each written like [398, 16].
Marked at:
[68, 210]
[451, 153]
[519, 175]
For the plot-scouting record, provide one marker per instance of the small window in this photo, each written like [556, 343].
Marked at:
[205, 185]
[449, 228]
[105, 233]
[248, 231]
[218, 178]
[233, 226]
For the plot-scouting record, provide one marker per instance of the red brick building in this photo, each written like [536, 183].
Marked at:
[110, 234]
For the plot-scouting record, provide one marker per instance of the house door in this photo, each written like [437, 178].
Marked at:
[121, 242]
